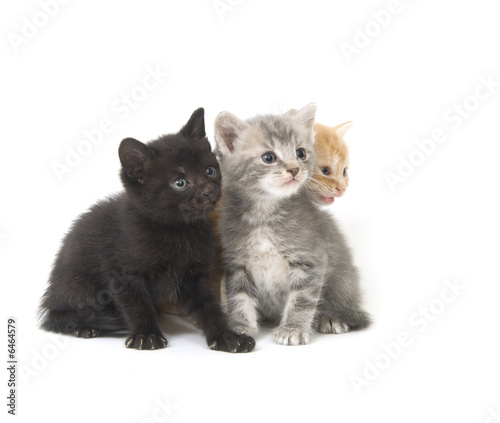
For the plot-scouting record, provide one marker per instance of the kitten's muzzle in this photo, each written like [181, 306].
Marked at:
[291, 176]
[206, 199]
[205, 206]
[210, 194]
[330, 198]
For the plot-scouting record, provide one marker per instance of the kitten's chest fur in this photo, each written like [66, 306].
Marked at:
[164, 255]
[267, 262]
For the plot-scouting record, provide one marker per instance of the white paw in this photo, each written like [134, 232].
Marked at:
[291, 336]
[327, 325]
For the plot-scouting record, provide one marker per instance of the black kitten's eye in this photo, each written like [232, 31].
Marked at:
[180, 184]
[301, 153]
[210, 171]
[326, 170]
[268, 158]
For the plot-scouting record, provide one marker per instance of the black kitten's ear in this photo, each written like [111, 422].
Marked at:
[208, 145]
[228, 128]
[133, 156]
[195, 128]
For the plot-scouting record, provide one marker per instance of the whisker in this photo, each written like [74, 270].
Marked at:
[320, 191]
[321, 187]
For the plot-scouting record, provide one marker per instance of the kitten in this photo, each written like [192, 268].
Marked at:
[124, 260]
[285, 259]
[330, 178]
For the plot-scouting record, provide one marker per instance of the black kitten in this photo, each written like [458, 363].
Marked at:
[125, 259]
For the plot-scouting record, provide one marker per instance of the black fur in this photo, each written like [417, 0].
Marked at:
[126, 258]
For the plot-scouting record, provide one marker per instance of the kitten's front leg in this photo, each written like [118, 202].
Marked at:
[241, 301]
[296, 324]
[198, 300]
[134, 300]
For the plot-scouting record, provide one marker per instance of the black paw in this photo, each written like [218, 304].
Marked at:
[86, 332]
[146, 342]
[231, 342]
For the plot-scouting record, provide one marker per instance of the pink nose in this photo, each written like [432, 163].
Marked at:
[293, 171]
[339, 190]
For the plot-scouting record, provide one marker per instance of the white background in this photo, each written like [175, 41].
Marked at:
[440, 223]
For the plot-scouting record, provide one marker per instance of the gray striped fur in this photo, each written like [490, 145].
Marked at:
[285, 258]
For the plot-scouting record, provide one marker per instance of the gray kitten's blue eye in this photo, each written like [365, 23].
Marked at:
[210, 171]
[326, 170]
[180, 184]
[268, 158]
[301, 154]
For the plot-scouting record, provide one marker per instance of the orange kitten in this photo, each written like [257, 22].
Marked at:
[331, 173]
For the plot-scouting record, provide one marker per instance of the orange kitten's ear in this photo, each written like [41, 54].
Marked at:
[292, 112]
[343, 127]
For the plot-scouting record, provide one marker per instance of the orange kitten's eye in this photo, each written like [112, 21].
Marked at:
[326, 170]
[345, 171]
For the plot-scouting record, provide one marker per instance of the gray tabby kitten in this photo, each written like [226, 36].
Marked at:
[285, 259]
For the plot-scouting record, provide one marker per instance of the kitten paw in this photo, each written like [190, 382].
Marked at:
[146, 342]
[291, 336]
[86, 332]
[231, 342]
[245, 330]
[329, 325]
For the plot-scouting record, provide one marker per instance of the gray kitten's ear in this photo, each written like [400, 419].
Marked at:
[133, 156]
[195, 127]
[342, 128]
[306, 115]
[228, 128]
